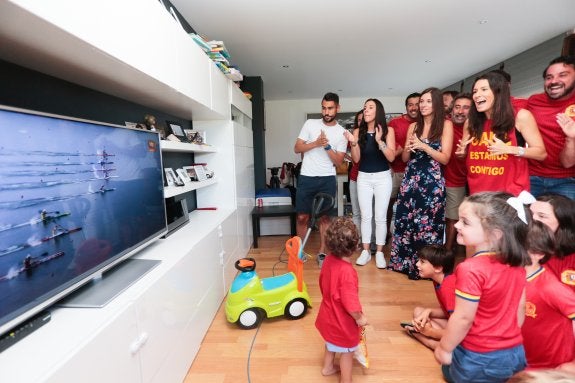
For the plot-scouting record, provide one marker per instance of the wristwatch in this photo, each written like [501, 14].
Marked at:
[328, 147]
[382, 146]
[520, 151]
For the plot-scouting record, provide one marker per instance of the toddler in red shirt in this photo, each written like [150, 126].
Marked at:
[340, 314]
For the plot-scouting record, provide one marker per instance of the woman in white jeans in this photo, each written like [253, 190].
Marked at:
[373, 147]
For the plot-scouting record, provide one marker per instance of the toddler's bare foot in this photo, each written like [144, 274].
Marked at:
[331, 371]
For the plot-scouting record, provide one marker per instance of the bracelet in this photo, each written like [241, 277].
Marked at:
[382, 146]
[328, 147]
[520, 151]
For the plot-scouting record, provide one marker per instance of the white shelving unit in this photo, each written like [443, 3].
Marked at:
[184, 147]
[173, 146]
[152, 331]
[172, 191]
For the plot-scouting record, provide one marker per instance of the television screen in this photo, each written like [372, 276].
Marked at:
[76, 197]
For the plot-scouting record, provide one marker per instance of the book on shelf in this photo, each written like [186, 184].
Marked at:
[201, 42]
[218, 46]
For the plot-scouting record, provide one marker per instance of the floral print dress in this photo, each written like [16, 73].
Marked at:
[420, 212]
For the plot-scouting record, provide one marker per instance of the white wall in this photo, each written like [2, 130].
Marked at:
[284, 120]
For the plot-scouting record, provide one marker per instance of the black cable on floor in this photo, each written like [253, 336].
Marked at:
[250, 352]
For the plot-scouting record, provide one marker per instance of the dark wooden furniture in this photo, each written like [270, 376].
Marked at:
[272, 211]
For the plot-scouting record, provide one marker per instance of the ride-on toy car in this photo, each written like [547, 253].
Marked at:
[251, 299]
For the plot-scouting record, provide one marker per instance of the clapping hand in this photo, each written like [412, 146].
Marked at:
[415, 143]
[496, 146]
[461, 149]
[567, 124]
[378, 133]
[349, 137]
[322, 139]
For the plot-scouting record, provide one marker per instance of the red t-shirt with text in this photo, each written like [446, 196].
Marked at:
[501, 172]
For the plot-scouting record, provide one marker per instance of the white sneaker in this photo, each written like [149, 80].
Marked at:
[380, 260]
[363, 258]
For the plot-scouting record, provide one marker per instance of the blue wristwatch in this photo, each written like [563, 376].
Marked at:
[328, 147]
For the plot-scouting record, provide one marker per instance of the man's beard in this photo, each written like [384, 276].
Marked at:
[327, 118]
[565, 92]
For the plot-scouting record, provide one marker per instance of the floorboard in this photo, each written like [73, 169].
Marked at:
[291, 351]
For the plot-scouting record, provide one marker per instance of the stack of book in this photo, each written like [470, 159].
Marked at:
[216, 50]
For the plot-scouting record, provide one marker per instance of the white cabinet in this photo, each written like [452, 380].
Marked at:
[152, 331]
[104, 356]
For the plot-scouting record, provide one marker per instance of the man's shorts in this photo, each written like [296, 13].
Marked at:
[453, 198]
[396, 179]
[308, 187]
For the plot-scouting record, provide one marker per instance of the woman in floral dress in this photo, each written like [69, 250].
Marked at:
[420, 213]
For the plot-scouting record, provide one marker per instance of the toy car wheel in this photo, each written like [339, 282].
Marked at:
[250, 318]
[296, 309]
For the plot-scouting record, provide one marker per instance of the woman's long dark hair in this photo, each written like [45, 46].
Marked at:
[436, 130]
[502, 117]
[379, 120]
[564, 210]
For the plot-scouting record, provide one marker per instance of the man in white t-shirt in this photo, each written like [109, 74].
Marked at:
[323, 146]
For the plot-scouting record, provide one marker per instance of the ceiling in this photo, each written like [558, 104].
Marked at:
[367, 48]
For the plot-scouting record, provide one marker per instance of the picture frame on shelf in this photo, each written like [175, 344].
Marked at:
[196, 136]
[200, 172]
[191, 172]
[183, 176]
[175, 129]
[172, 178]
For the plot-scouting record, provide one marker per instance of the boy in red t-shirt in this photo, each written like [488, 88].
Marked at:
[428, 324]
[340, 314]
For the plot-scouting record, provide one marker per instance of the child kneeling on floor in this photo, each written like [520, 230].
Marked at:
[428, 324]
[340, 314]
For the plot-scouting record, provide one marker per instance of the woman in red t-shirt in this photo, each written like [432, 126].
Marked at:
[558, 213]
[494, 139]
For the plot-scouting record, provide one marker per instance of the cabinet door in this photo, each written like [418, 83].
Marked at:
[229, 237]
[167, 313]
[110, 355]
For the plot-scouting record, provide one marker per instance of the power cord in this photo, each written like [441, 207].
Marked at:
[250, 352]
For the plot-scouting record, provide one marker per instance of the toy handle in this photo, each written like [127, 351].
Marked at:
[321, 204]
[245, 264]
[293, 247]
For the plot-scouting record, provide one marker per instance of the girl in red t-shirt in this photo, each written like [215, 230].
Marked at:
[483, 341]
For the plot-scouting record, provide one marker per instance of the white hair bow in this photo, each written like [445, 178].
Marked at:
[524, 198]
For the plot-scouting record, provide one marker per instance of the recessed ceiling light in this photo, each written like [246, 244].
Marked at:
[484, 21]
[285, 66]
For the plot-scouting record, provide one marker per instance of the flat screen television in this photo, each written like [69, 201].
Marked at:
[76, 198]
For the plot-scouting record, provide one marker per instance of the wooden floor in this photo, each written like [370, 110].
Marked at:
[291, 351]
